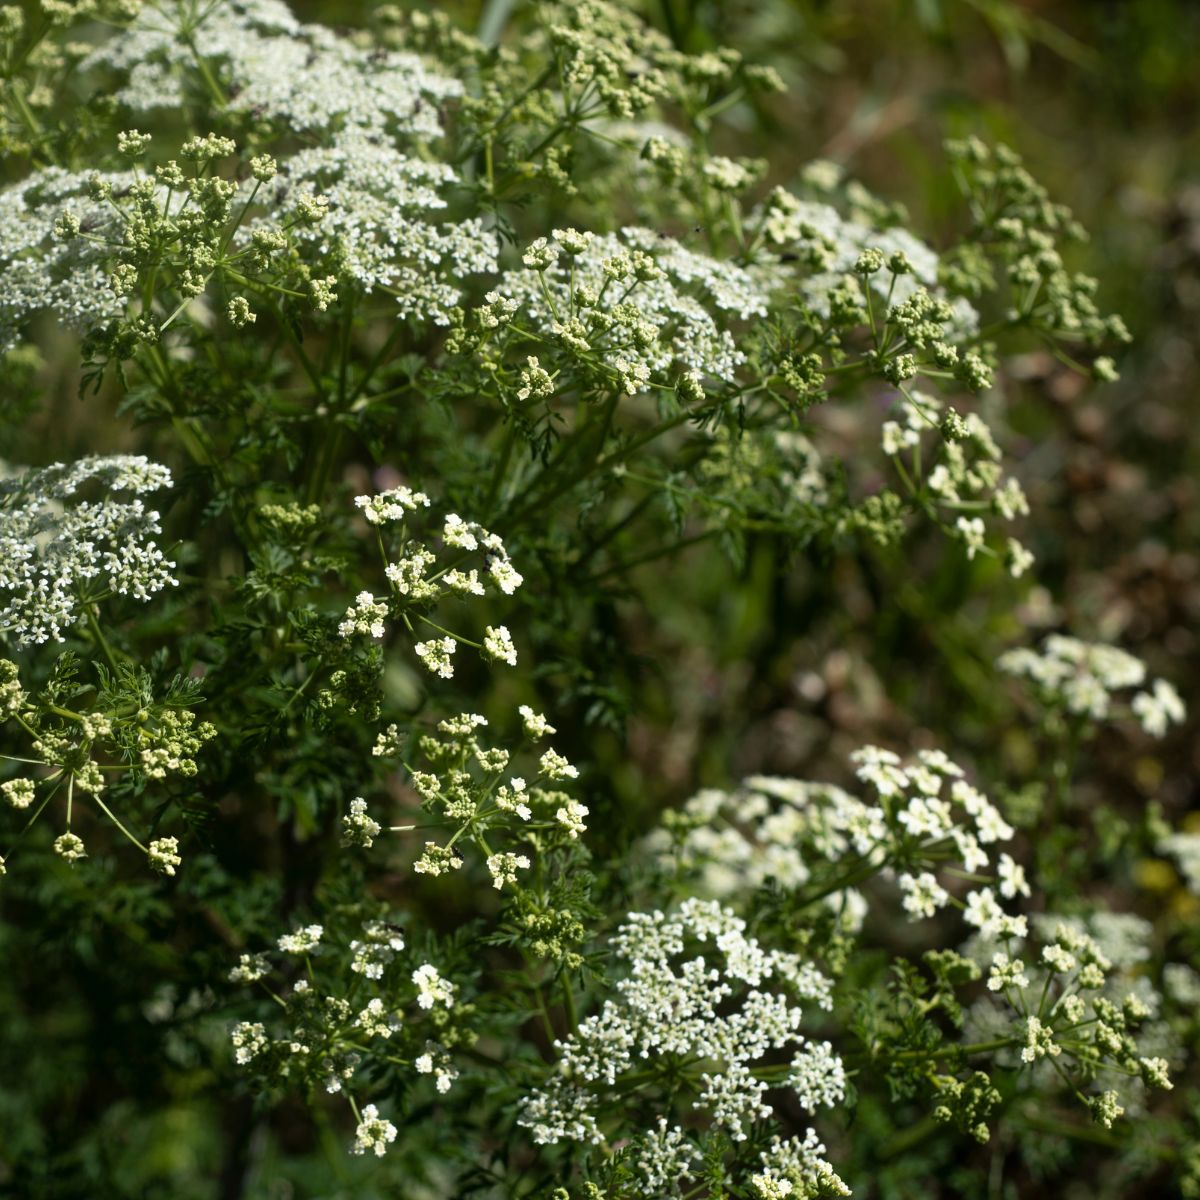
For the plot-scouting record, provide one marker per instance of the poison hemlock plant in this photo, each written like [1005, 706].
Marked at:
[430, 346]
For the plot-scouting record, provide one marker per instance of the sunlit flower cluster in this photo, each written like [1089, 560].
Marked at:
[637, 310]
[819, 838]
[419, 577]
[1083, 678]
[41, 267]
[958, 463]
[1072, 1004]
[475, 794]
[266, 62]
[383, 222]
[329, 1023]
[62, 553]
[697, 989]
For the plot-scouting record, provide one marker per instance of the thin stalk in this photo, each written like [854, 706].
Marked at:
[112, 817]
[98, 636]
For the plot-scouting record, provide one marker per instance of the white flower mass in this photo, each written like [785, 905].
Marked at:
[487, 265]
[61, 552]
[699, 989]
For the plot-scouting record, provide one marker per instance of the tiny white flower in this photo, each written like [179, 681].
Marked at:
[457, 532]
[70, 846]
[504, 867]
[1017, 558]
[437, 655]
[982, 909]
[1039, 1042]
[554, 766]
[373, 1132]
[498, 645]
[973, 534]
[506, 576]
[465, 583]
[536, 725]
[18, 792]
[432, 989]
[358, 828]
[303, 940]
[163, 855]
[1012, 878]
[923, 895]
[570, 816]
[364, 616]
[249, 1040]
[1158, 708]
[1007, 972]
[250, 967]
[392, 505]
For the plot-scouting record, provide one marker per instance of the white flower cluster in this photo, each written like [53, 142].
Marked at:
[1184, 847]
[416, 580]
[40, 271]
[432, 990]
[18, 792]
[249, 1039]
[359, 828]
[1074, 1003]
[698, 990]
[640, 304]
[769, 828]
[373, 1133]
[163, 854]
[827, 246]
[305, 940]
[791, 831]
[378, 946]
[797, 1169]
[57, 549]
[381, 226]
[468, 787]
[303, 77]
[1083, 677]
[370, 180]
[70, 846]
[966, 480]
[324, 1039]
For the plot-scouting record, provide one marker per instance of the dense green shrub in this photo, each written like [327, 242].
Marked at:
[433, 361]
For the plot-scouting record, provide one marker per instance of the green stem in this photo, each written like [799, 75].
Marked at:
[502, 460]
[569, 1002]
[447, 632]
[650, 556]
[946, 1050]
[856, 875]
[98, 636]
[112, 817]
[906, 1139]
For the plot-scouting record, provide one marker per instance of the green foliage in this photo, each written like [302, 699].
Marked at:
[537, 440]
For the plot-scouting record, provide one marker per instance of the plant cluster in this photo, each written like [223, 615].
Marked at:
[434, 346]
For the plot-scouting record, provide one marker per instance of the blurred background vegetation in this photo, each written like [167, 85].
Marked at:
[784, 663]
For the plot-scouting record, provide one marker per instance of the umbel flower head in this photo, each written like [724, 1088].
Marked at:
[1084, 677]
[381, 227]
[44, 269]
[417, 581]
[642, 303]
[59, 552]
[303, 76]
[698, 989]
